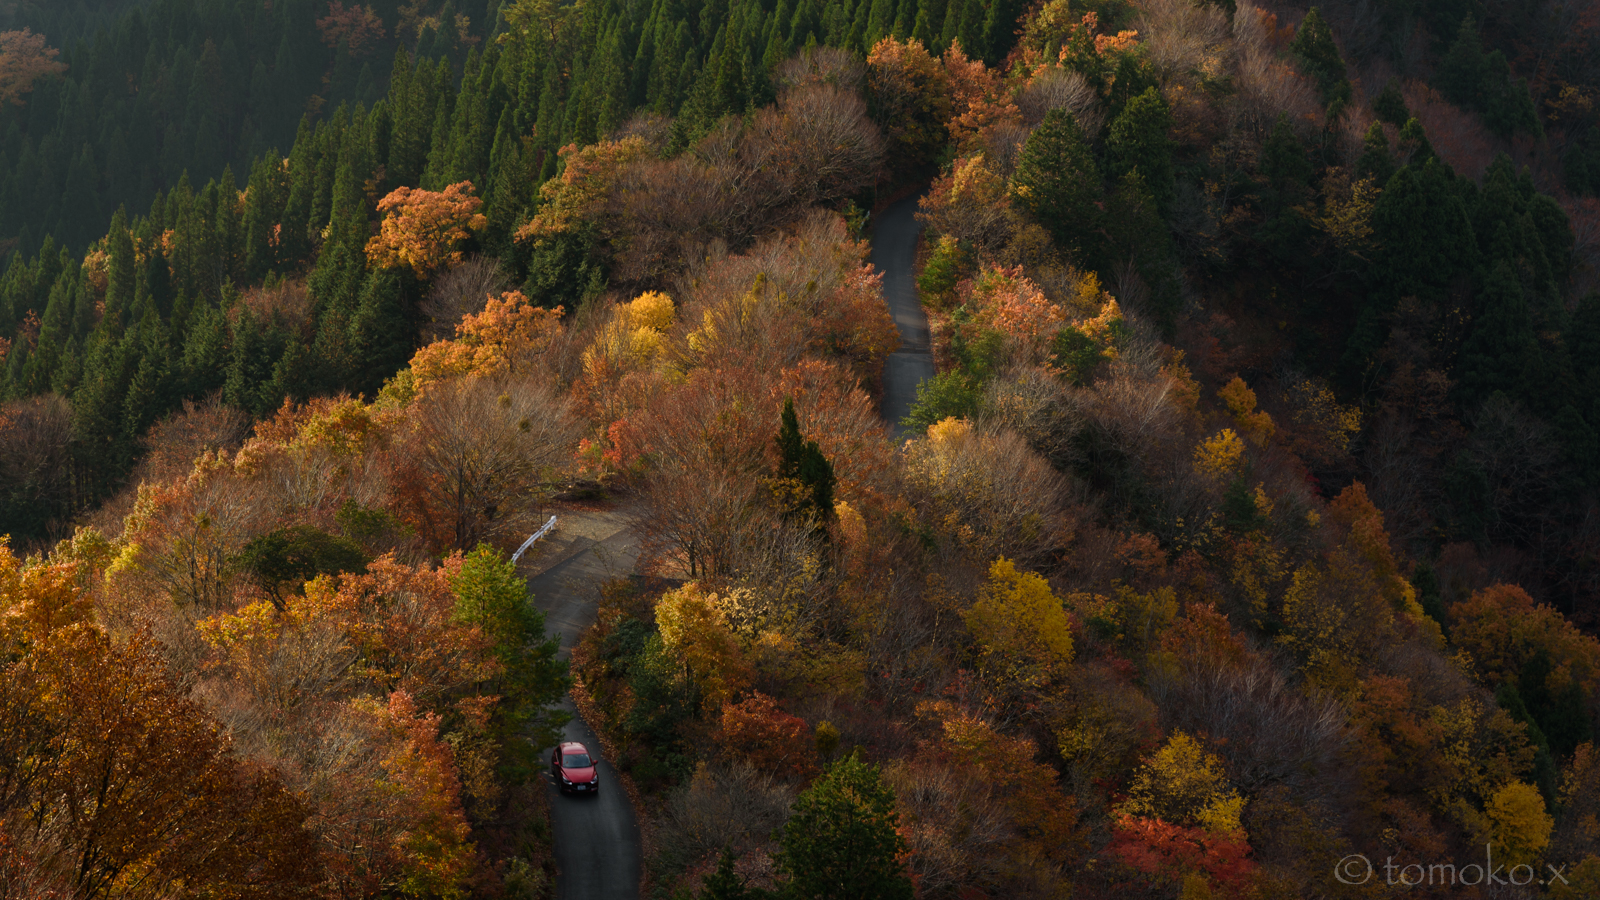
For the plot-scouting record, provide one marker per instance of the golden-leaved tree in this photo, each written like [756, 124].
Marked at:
[1023, 633]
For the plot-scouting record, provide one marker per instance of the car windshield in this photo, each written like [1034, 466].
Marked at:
[575, 760]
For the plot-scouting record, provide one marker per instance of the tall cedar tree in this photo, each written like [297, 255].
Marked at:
[1058, 183]
[1319, 58]
[1468, 76]
[1138, 141]
[802, 465]
[841, 841]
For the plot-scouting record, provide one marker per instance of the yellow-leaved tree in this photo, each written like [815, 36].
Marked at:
[1023, 632]
[1184, 784]
[633, 338]
[1241, 403]
[1519, 825]
[1220, 455]
[695, 631]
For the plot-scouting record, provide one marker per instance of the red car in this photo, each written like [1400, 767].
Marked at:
[573, 769]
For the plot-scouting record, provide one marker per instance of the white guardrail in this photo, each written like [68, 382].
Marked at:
[535, 536]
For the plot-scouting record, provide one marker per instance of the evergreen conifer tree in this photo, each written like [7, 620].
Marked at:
[1375, 161]
[725, 883]
[804, 471]
[1058, 183]
[1424, 234]
[841, 842]
[1389, 106]
[1319, 58]
[1500, 353]
[1138, 141]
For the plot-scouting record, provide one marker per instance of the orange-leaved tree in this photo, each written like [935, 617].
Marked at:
[981, 100]
[1533, 652]
[503, 338]
[422, 230]
[357, 27]
[585, 184]
[24, 59]
[113, 782]
[1040, 836]
[388, 801]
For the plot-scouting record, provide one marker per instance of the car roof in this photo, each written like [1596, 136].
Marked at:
[573, 747]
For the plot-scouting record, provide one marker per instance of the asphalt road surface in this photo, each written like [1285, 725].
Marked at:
[894, 249]
[596, 839]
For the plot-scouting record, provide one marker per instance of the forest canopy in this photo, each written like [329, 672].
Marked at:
[1249, 522]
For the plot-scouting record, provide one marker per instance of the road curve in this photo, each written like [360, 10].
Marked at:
[597, 848]
[894, 251]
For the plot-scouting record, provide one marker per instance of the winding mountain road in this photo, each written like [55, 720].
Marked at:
[894, 252]
[597, 847]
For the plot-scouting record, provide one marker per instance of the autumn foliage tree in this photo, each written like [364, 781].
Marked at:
[910, 98]
[757, 729]
[356, 27]
[422, 230]
[993, 494]
[1535, 653]
[694, 628]
[1032, 836]
[483, 454]
[1184, 784]
[505, 338]
[111, 779]
[24, 59]
[1023, 634]
[1171, 854]
[35, 468]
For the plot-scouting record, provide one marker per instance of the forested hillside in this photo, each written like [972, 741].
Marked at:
[152, 90]
[1251, 522]
[497, 123]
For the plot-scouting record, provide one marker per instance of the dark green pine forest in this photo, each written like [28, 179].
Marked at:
[197, 153]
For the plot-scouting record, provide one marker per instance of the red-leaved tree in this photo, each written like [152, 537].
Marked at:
[771, 739]
[1167, 853]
